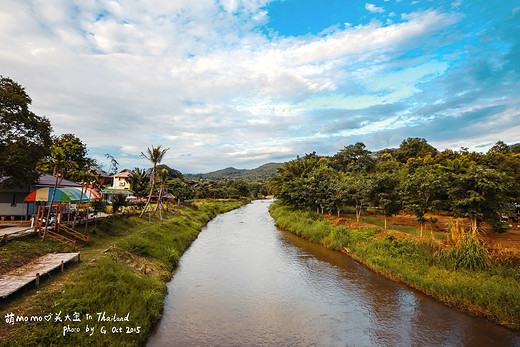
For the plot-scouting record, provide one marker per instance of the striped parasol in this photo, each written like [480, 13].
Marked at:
[62, 195]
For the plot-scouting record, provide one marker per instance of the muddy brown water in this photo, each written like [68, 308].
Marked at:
[243, 282]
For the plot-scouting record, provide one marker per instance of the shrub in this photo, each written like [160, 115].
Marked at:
[468, 253]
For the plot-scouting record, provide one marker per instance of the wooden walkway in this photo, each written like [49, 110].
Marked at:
[16, 279]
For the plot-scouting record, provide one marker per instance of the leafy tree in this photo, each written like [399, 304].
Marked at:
[357, 192]
[382, 193]
[423, 192]
[500, 147]
[480, 194]
[171, 173]
[413, 148]
[118, 201]
[25, 138]
[354, 158]
[181, 189]
[75, 151]
[291, 170]
[139, 181]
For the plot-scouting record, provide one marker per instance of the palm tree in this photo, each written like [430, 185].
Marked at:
[155, 155]
[138, 181]
[163, 174]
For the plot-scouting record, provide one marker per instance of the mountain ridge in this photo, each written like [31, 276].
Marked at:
[264, 171]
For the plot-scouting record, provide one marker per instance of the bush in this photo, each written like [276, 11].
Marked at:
[468, 253]
[118, 200]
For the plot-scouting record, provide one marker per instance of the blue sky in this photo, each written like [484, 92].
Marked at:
[245, 82]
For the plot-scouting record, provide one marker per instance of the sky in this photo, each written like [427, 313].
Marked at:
[246, 82]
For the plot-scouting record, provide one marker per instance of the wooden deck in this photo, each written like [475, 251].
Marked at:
[16, 279]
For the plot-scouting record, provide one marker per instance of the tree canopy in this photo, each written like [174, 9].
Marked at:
[25, 138]
[415, 177]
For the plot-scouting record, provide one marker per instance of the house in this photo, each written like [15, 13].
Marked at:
[103, 178]
[120, 185]
[122, 180]
[12, 199]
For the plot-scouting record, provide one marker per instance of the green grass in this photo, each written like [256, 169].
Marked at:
[110, 278]
[461, 276]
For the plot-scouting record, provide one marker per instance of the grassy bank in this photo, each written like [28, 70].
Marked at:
[461, 276]
[123, 272]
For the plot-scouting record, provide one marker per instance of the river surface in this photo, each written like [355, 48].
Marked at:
[243, 282]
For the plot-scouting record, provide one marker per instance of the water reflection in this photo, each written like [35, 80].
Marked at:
[243, 282]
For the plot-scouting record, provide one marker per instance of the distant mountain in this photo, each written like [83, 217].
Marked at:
[263, 172]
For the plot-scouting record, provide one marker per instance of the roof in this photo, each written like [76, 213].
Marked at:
[123, 174]
[47, 180]
[99, 172]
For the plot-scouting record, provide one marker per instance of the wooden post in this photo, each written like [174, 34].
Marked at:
[37, 218]
[62, 266]
[144, 270]
[74, 246]
[37, 279]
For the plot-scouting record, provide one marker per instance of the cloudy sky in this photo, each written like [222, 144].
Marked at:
[245, 82]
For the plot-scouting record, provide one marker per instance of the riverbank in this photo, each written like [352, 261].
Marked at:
[480, 287]
[114, 296]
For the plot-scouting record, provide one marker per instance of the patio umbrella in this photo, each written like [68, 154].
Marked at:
[91, 193]
[62, 195]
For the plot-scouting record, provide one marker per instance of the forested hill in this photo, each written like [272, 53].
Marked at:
[263, 172]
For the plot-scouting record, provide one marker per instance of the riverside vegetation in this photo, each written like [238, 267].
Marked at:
[462, 275]
[124, 271]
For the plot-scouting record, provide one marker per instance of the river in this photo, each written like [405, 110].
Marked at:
[243, 282]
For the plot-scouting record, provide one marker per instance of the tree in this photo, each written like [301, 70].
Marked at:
[139, 181]
[75, 151]
[293, 169]
[171, 173]
[155, 155]
[480, 194]
[25, 138]
[413, 148]
[382, 193]
[113, 164]
[500, 147]
[162, 174]
[58, 164]
[423, 191]
[354, 158]
[118, 200]
[180, 189]
[356, 188]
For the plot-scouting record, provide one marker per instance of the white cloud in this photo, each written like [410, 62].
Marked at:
[198, 77]
[373, 8]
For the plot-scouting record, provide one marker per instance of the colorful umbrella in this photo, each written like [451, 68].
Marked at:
[62, 195]
[91, 193]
